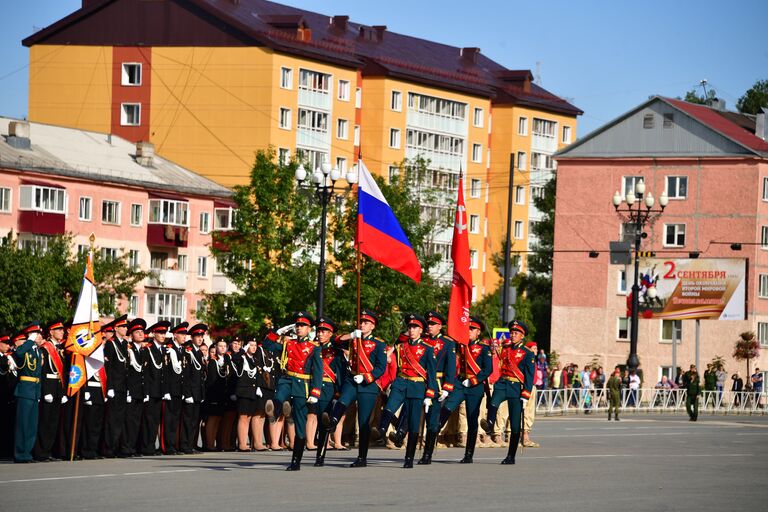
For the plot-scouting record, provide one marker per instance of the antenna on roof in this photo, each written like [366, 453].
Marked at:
[703, 85]
[537, 77]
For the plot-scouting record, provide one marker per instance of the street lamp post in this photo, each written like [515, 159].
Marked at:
[638, 217]
[323, 180]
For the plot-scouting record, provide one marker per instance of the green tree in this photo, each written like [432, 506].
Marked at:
[747, 348]
[754, 99]
[699, 99]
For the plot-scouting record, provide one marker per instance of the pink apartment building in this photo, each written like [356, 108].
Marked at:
[713, 164]
[56, 180]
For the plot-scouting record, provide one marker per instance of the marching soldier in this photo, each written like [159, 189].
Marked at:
[152, 360]
[325, 328]
[415, 384]
[517, 367]
[367, 363]
[53, 387]
[134, 386]
[173, 396]
[301, 383]
[29, 361]
[614, 394]
[193, 383]
[475, 366]
[116, 367]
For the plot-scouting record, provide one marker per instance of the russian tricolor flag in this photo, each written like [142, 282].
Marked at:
[378, 231]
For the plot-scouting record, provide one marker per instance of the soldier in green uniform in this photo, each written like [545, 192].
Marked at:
[693, 386]
[614, 394]
[29, 361]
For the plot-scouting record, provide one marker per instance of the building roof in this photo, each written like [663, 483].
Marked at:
[373, 49]
[92, 156]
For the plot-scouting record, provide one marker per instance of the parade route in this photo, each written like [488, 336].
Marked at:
[640, 463]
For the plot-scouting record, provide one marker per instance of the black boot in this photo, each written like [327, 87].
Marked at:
[386, 419]
[470, 449]
[298, 452]
[429, 447]
[320, 457]
[338, 411]
[445, 415]
[397, 437]
[410, 449]
[513, 442]
[609, 415]
[362, 449]
[488, 422]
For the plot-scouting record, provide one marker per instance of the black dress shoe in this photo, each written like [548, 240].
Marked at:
[359, 463]
[508, 460]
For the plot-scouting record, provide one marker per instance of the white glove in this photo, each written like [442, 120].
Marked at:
[358, 333]
[258, 392]
[233, 398]
[189, 400]
[524, 400]
[128, 399]
[466, 383]
[110, 393]
[443, 396]
[87, 395]
[312, 400]
[427, 402]
[358, 379]
[285, 329]
[167, 396]
[146, 398]
[88, 402]
[64, 399]
[266, 368]
[48, 399]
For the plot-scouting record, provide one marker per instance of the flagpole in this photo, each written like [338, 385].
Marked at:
[358, 255]
[74, 422]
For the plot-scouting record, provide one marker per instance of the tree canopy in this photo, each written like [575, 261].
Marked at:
[754, 99]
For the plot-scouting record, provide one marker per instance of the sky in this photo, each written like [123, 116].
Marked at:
[605, 56]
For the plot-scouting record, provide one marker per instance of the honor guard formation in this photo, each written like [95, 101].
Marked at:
[164, 391]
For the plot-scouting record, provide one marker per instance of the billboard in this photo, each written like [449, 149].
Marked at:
[708, 288]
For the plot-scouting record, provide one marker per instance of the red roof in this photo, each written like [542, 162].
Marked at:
[716, 121]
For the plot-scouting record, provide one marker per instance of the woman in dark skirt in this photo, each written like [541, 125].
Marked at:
[229, 418]
[248, 393]
[216, 383]
[271, 373]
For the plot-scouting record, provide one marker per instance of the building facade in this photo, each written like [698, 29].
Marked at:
[210, 82]
[713, 166]
[57, 181]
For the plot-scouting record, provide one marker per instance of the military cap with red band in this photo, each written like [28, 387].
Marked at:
[415, 319]
[160, 327]
[56, 324]
[369, 315]
[433, 317]
[325, 323]
[4, 338]
[32, 328]
[19, 337]
[302, 317]
[516, 325]
[181, 328]
[197, 330]
[137, 324]
[476, 323]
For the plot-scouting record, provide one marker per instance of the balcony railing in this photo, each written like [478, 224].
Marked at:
[313, 138]
[173, 279]
[434, 122]
[314, 99]
[543, 144]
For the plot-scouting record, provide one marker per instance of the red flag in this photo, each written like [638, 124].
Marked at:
[461, 287]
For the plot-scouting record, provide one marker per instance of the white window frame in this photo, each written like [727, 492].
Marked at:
[182, 262]
[124, 114]
[37, 201]
[477, 153]
[478, 117]
[473, 259]
[341, 165]
[619, 329]
[358, 97]
[522, 160]
[475, 188]
[344, 88]
[134, 259]
[621, 278]
[284, 118]
[125, 76]
[676, 326]
[765, 188]
[202, 266]
[522, 126]
[205, 223]
[394, 138]
[677, 179]
[474, 224]
[762, 333]
[133, 306]
[518, 230]
[315, 81]
[109, 254]
[356, 141]
[171, 212]
[6, 200]
[284, 156]
[88, 217]
[566, 135]
[231, 213]
[677, 233]
[519, 194]
[762, 286]
[628, 184]
[396, 101]
[286, 78]
[342, 129]
[152, 306]
[140, 207]
[117, 211]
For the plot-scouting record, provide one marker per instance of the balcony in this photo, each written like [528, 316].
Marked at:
[434, 122]
[221, 284]
[167, 235]
[171, 279]
[306, 137]
[314, 99]
[437, 160]
[543, 144]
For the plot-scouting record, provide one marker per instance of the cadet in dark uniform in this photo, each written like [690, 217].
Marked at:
[248, 392]
[30, 366]
[193, 384]
[134, 397]
[414, 386]
[152, 358]
[92, 402]
[173, 395]
[302, 381]
[325, 328]
[517, 366]
[692, 384]
[216, 392]
[53, 386]
[116, 367]
[475, 366]
[367, 363]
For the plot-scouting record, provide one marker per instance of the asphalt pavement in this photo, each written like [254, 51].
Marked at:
[642, 463]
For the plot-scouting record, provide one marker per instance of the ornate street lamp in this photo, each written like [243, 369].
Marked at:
[323, 180]
[636, 210]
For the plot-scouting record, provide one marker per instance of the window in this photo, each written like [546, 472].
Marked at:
[674, 235]
[110, 212]
[314, 81]
[396, 102]
[477, 118]
[671, 330]
[518, 230]
[224, 219]
[536, 193]
[284, 156]
[83, 249]
[108, 254]
[167, 307]
[437, 106]
[544, 128]
[131, 73]
[313, 120]
[522, 126]
[358, 98]
[762, 333]
[477, 153]
[519, 194]
[394, 138]
[182, 262]
[5, 200]
[474, 223]
[474, 188]
[394, 172]
[522, 160]
[136, 214]
[33, 242]
[622, 329]
[167, 211]
[566, 134]
[669, 120]
[621, 287]
[130, 114]
[762, 286]
[84, 212]
[628, 232]
[205, 223]
[677, 187]
[357, 135]
[202, 266]
[764, 237]
[542, 161]
[285, 118]
[628, 184]
[342, 129]
[765, 189]
[158, 260]
[43, 199]
[286, 78]
[344, 90]
[133, 259]
[341, 165]
[472, 258]
[133, 306]
[647, 121]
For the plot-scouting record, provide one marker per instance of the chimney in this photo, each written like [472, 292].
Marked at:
[469, 54]
[18, 135]
[761, 127]
[380, 29]
[340, 23]
[145, 152]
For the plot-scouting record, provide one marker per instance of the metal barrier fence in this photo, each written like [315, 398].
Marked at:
[649, 400]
